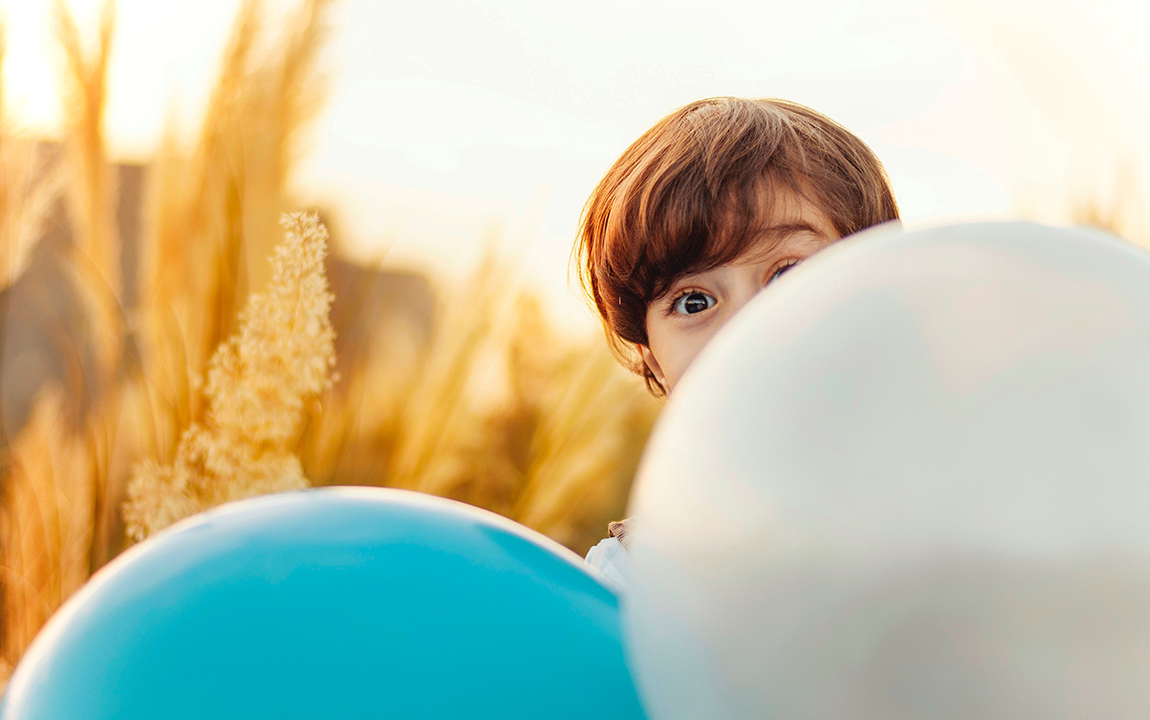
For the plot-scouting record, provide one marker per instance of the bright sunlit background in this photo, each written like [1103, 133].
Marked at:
[449, 118]
[134, 243]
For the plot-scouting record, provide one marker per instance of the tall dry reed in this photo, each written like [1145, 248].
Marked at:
[1123, 211]
[95, 260]
[84, 82]
[28, 185]
[143, 395]
[500, 410]
[214, 208]
[55, 470]
[212, 396]
[259, 385]
[45, 523]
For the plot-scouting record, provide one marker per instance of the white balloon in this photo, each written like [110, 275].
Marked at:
[909, 480]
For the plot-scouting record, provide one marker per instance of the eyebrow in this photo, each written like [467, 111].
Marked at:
[772, 232]
[778, 231]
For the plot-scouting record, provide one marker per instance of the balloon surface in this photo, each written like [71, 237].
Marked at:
[333, 603]
[909, 480]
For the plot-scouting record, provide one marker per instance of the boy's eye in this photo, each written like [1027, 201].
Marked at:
[780, 271]
[694, 302]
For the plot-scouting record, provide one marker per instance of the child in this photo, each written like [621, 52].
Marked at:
[709, 206]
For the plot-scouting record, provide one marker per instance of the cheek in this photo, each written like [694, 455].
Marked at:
[675, 348]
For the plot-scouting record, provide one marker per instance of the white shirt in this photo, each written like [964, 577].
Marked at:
[610, 559]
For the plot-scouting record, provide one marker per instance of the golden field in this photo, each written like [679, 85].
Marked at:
[221, 354]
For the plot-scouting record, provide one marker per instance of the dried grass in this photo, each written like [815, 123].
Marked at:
[95, 264]
[213, 211]
[500, 411]
[28, 185]
[1122, 211]
[89, 189]
[197, 225]
[45, 525]
[215, 396]
[259, 385]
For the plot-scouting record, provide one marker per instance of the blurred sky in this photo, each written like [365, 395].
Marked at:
[451, 117]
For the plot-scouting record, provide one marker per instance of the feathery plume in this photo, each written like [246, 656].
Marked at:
[213, 211]
[260, 382]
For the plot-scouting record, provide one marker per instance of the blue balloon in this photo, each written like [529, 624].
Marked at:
[333, 603]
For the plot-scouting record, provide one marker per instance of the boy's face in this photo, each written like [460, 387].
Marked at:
[682, 320]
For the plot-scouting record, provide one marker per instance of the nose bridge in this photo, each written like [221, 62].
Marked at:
[748, 285]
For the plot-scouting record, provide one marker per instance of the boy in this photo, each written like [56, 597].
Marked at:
[709, 206]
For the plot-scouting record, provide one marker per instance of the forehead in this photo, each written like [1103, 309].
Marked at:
[785, 213]
[774, 211]
[782, 202]
[701, 227]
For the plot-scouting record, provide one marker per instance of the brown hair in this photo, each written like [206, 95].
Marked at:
[685, 198]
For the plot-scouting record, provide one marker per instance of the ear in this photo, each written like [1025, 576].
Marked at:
[656, 370]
